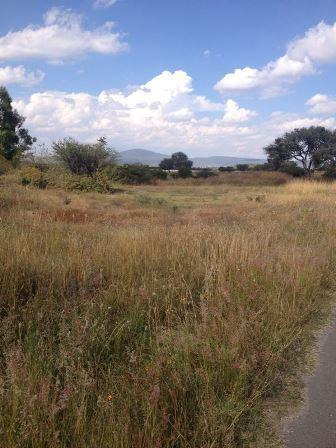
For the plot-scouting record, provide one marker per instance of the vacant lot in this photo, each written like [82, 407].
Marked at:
[162, 316]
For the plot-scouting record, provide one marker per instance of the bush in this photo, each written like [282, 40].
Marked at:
[33, 176]
[292, 169]
[226, 169]
[330, 173]
[135, 174]
[5, 165]
[82, 158]
[262, 167]
[184, 172]
[205, 173]
[242, 166]
[99, 183]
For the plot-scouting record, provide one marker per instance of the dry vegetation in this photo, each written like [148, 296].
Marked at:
[163, 316]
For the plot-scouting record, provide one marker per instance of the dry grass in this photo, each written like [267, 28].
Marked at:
[165, 316]
[247, 178]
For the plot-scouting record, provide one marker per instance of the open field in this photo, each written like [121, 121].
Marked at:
[162, 316]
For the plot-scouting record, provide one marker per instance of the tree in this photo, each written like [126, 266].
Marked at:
[83, 158]
[166, 164]
[14, 139]
[326, 157]
[178, 161]
[307, 146]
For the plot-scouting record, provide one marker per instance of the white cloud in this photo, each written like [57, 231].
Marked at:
[162, 113]
[61, 37]
[104, 3]
[318, 46]
[270, 79]
[206, 53]
[20, 75]
[322, 104]
[234, 113]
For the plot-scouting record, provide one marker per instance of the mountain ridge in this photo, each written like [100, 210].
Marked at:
[152, 158]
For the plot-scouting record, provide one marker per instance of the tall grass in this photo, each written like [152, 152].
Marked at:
[172, 330]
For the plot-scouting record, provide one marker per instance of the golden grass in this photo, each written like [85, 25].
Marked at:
[164, 316]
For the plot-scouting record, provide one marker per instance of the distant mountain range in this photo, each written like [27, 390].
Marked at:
[152, 158]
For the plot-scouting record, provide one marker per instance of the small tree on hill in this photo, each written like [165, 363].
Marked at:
[14, 139]
[82, 158]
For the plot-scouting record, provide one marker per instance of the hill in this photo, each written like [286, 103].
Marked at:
[141, 156]
[154, 158]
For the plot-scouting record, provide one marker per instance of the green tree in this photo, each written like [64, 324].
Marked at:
[14, 139]
[166, 164]
[181, 160]
[178, 161]
[83, 158]
[309, 147]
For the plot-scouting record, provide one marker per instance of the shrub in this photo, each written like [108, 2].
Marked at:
[205, 173]
[82, 158]
[184, 172]
[135, 174]
[330, 173]
[242, 166]
[226, 169]
[5, 165]
[262, 167]
[33, 176]
[98, 183]
[292, 169]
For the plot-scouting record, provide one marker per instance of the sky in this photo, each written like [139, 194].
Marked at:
[208, 77]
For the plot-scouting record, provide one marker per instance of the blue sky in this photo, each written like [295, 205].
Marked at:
[204, 76]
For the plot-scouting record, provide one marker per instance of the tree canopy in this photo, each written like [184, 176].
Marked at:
[14, 139]
[310, 147]
[178, 161]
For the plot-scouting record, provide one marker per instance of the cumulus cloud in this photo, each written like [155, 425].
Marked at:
[234, 113]
[61, 37]
[318, 46]
[163, 112]
[20, 75]
[104, 3]
[322, 104]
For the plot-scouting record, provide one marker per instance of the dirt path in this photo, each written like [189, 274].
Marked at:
[315, 426]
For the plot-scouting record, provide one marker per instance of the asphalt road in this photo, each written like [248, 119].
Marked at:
[315, 426]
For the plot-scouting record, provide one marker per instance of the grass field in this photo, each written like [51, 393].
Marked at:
[173, 315]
